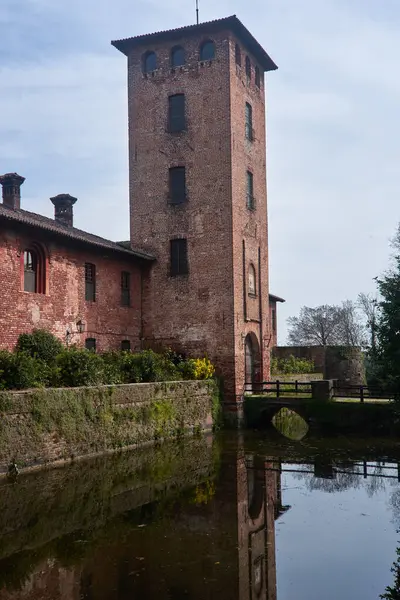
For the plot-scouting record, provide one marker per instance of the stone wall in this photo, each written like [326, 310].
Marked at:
[345, 364]
[39, 427]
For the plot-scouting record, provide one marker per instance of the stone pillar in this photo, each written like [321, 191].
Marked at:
[322, 390]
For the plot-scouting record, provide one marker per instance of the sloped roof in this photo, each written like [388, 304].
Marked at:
[276, 298]
[35, 220]
[232, 23]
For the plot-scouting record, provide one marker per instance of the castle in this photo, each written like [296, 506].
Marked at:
[194, 275]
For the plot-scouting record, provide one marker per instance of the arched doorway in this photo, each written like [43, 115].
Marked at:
[252, 362]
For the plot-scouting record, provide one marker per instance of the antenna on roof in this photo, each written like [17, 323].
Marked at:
[197, 12]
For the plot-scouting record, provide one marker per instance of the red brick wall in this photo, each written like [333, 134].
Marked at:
[204, 311]
[249, 226]
[274, 333]
[64, 302]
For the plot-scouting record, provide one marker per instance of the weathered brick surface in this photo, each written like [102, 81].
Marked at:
[64, 302]
[204, 311]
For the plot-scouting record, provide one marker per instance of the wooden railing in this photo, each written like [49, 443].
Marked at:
[279, 388]
[295, 388]
[362, 392]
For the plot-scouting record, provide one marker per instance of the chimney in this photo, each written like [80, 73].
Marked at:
[11, 183]
[63, 211]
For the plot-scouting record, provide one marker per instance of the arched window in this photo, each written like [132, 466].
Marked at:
[257, 77]
[252, 281]
[34, 270]
[207, 50]
[177, 57]
[238, 55]
[248, 68]
[149, 62]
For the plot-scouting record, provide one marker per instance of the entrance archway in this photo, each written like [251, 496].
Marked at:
[252, 357]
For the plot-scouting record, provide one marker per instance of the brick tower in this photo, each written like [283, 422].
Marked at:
[198, 197]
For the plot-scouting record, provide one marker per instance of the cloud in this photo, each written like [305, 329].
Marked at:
[333, 127]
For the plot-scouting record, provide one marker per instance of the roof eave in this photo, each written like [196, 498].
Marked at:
[233, 23]
[276, 298]
[64, 234]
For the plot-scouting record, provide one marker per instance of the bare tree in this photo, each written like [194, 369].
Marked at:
[327, 325]
[352, 329]
[315, 326]
[369, 306]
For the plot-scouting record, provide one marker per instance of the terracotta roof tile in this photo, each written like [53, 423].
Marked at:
[35, 220]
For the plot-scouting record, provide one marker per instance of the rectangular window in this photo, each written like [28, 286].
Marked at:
[125, 345]
[90, 344]
[125, 288]
[273, 314]
[90, 282]
[177, 185]
[249, 122]
[250, 202]
[179, 259]
[176, 113]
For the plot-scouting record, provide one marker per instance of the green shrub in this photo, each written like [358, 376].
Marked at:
[114, 367]
[291, 365]
[154, 367]
[79, 367]
[20, 371]
[40, 344]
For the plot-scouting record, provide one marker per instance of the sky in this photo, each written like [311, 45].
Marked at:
[333, 126]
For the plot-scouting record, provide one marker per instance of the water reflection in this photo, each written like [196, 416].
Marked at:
[290, 424]
[206, 519]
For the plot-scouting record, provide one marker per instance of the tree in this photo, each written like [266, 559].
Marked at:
[369, 306]
[327, 325]
[388, 328]
[351, 330]
[315, 326]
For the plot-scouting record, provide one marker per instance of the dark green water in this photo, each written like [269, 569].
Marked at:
[227, 518]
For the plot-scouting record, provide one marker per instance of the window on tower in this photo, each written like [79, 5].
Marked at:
[252, 281]
[257, 77]
[179, 258]
[250, 202]
[149, 62]
[249, 122]
[177, 57]
[248, 68]
[177, 185]
[207, 50]
[238, 55]
[176, 113]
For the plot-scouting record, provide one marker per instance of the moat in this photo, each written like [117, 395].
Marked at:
[227, 517]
